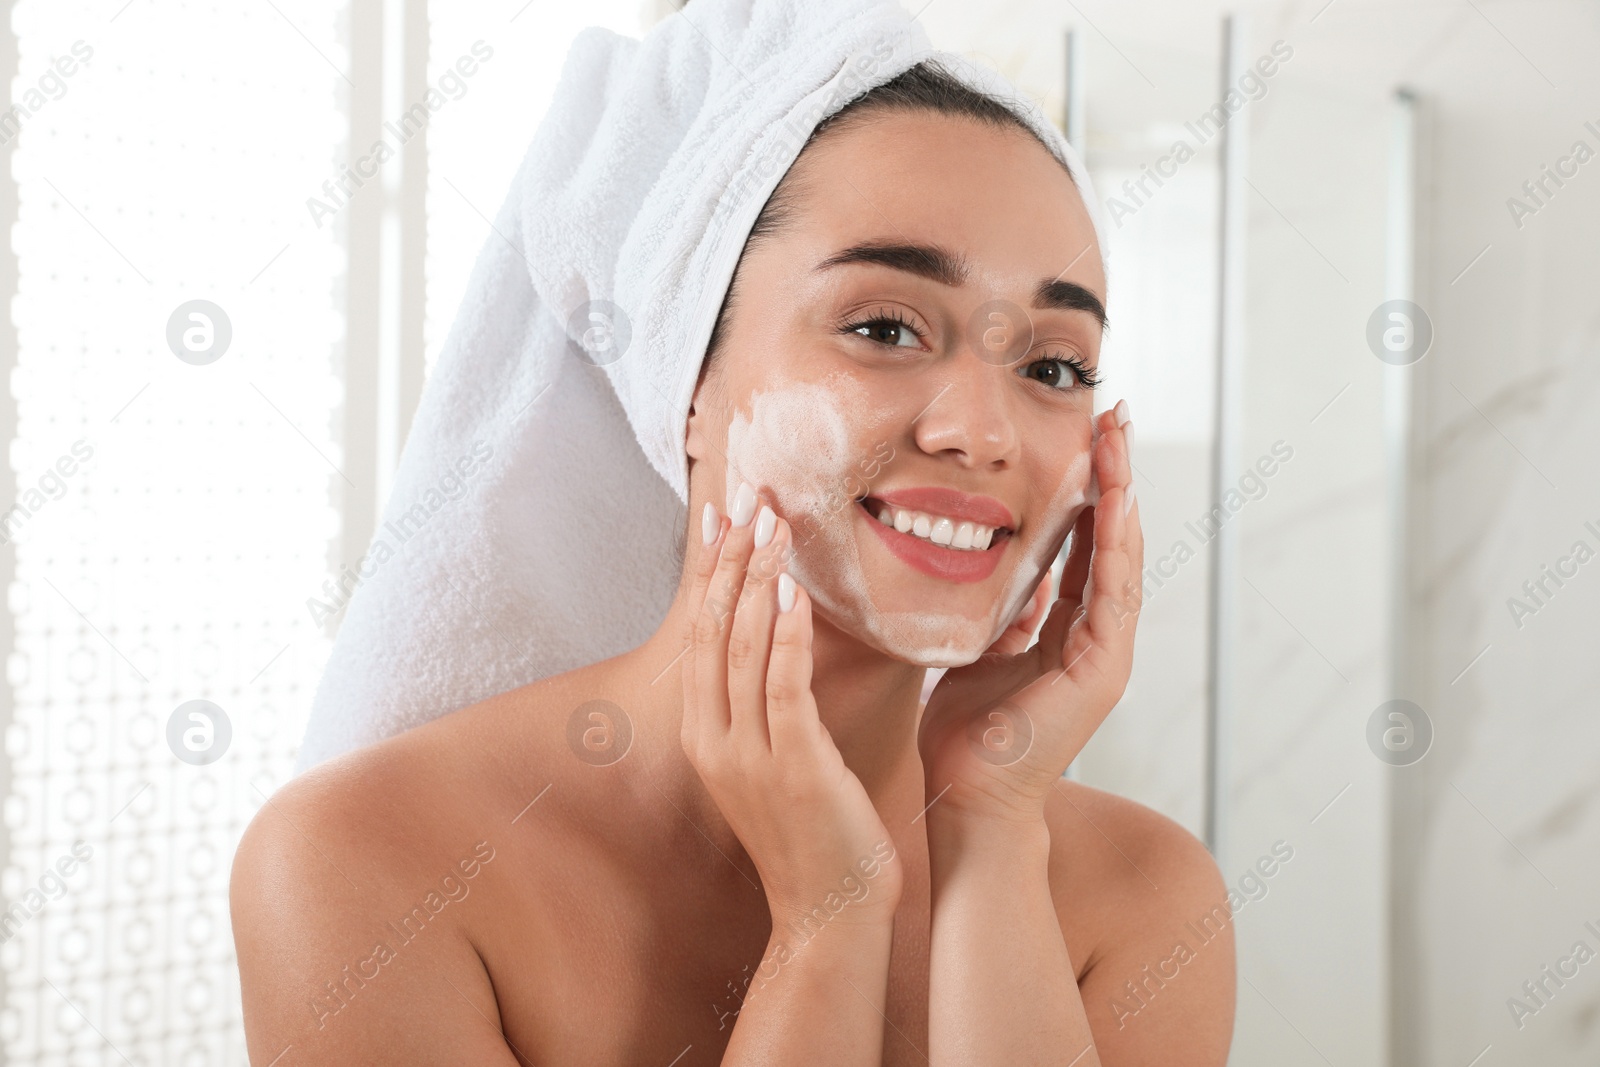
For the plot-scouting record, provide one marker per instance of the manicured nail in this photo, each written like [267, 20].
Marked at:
[766, 526]
[1127, 504]
[785, 592]
[710, 523]
[744, 505]
[1127, 435]
[1122, 413]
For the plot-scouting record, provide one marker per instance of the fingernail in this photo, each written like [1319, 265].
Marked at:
[1127, 434]
[744, 505]
[785, 592]
[766, 524]
[1122, 413]
[710, 523]
[1127, 504]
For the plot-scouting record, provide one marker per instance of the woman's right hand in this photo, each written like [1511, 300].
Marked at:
[751, 730]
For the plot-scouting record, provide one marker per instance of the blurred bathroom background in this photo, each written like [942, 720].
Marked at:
[1372, 608]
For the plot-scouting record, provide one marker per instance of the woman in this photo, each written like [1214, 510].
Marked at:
[797, 862]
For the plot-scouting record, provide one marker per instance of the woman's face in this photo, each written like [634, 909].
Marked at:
[914, 341]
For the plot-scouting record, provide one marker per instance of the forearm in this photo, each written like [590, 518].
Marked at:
[816, 999]
[1001, 985]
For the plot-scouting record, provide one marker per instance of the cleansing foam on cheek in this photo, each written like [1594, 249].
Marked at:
[1040, 550]
[805, 443]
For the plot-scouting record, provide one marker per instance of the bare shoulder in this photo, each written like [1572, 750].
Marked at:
[1130, 844]
[1145, 912]
[347, 901]
[378, 814]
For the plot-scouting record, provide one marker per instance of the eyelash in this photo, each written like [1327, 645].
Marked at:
[1081, 370]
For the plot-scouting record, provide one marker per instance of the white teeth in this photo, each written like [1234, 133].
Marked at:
[951, 533]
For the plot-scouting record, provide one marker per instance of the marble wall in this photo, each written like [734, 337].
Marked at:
[1420, 897]
[1496, 869]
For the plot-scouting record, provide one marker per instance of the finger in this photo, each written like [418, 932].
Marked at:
[1124, 439]
[1076, 572]
[1135, 557]
[792, 720]
[1038, 607]
[1053, 635]
[1125, 447]
[1112, 605]
[1017, 636]
[1111, 454]
[1111, 473]
[705, 564]
[1135, 531]
[750, 640]
[712, 623]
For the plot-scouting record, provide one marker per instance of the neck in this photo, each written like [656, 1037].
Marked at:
[870, 704]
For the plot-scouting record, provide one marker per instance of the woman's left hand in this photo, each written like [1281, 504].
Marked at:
[997, 733]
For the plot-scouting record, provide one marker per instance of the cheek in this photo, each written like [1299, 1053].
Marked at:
[1066, 478]
[1075, 484]
[801, 442]
[1036, 550]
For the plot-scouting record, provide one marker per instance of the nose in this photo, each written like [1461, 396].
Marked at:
[968, 415]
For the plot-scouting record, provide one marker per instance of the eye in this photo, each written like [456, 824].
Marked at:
[886, 328]
[1061, 373]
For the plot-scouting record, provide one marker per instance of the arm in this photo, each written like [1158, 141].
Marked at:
[323, 977]
[825, 860]
[1159, 986]
[1001, 985]
[820, 1002]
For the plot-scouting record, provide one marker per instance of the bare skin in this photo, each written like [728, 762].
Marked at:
[575, 899]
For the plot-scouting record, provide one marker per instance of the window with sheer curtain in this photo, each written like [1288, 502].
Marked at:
[174, 399]
[177, 392]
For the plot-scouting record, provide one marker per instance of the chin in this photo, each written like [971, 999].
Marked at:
[922, 639]
[949, 658]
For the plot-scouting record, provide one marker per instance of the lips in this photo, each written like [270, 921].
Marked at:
[939, 561]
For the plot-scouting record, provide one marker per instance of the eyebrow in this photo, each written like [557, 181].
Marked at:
[947, 268]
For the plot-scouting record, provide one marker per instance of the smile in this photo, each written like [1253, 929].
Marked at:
[957, 550]
[939, 529]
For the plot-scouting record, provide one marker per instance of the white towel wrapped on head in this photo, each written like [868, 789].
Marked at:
[552, 427]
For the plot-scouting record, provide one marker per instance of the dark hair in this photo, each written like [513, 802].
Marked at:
[926, 87]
